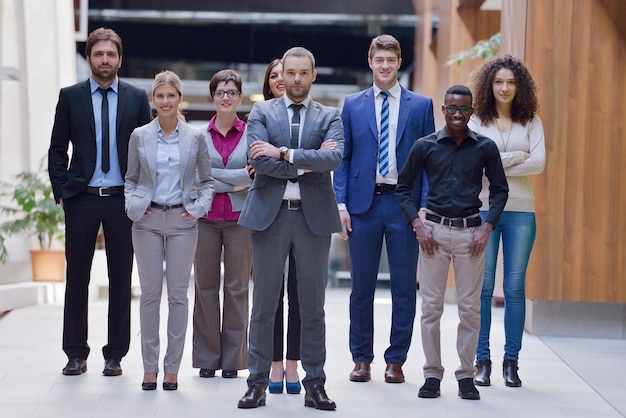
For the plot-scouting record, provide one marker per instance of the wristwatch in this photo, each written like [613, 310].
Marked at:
[283, 151]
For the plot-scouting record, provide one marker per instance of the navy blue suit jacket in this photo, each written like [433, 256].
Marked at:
[355, 179]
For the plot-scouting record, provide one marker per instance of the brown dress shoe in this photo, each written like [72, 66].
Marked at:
[393, 373]
[361, 372]
[254, 397]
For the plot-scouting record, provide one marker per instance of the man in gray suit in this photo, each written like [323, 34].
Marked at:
[294, 143]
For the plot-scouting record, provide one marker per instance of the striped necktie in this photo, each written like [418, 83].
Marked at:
[295, 129]
[383, 152]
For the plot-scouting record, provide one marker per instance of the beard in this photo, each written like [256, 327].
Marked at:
[106, 74]
[301, 92]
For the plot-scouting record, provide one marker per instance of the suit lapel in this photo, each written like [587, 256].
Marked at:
[403, 116]
[184, 145]
[88, 106]
[283, 121]
[122, 101]
[312, 113]
[370, 109]
[150, 147]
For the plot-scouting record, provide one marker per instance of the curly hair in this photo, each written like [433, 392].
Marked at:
[524, 104]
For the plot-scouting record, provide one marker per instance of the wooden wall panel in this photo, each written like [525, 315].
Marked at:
[576, 49]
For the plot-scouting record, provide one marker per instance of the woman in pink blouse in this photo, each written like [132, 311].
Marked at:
[220, 329]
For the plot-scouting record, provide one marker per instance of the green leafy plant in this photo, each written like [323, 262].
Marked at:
[484, 49]
[29, 203]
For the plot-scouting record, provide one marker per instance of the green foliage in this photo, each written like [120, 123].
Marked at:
[484, 49]
[29, 204]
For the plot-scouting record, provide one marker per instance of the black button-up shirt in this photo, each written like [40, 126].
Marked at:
[454, 175]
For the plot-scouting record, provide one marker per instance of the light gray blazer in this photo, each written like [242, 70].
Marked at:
[233, 174]
[195, 170]
[269, 122]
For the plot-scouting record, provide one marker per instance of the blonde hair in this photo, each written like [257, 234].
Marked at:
[170, 78]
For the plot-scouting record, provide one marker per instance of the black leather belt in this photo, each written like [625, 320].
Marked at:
[384, 188]
[455, 222]
[165, 207]
[105, 191]
[292, 204]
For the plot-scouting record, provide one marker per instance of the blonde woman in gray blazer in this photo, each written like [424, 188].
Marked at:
[168, 186]
[220, 330]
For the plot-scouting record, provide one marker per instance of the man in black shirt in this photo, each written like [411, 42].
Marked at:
[454, 160]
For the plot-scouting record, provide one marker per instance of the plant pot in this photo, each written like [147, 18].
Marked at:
[48, 265]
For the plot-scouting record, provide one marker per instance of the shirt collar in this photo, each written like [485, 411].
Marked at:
[160, 130]
[443, 133]
[306, 102]
[394, 91]
[239, 125]
[94, 86]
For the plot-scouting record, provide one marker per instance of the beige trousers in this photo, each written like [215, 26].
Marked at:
[468, 272]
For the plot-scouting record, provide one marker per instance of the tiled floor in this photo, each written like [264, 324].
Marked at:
[563, 377]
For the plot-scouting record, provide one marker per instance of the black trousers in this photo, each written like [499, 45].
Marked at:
[293, 318]
[84, 213]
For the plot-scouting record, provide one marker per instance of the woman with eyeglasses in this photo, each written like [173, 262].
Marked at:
[220, 329]
[505, 110]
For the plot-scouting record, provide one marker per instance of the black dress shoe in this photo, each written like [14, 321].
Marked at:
[148, 385]
[483, 373]
[207, 372]
[430, 388]
[170, 385]
[316, 398]
[467, 390]
[112, 367]
[509, 371]
[75, 366]
[229, 374]
[254, 397]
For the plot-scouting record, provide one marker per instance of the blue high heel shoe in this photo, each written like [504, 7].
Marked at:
[276, 387]
[294, 387]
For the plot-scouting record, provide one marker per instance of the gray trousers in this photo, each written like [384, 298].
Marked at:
[270, 249]
[169, 236]
[220, 331]
[468, 275]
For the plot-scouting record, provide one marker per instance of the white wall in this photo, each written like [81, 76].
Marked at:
[37, 38]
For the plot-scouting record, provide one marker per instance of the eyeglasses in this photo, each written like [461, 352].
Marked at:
[230, 93]
[463, 109]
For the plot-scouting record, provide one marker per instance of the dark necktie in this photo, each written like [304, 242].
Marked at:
[383, 155]
[105, 129]
[295, 129]
[295, 125]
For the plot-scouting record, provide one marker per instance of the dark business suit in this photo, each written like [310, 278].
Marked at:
[376, 215]
[276, 230]
[85, 212]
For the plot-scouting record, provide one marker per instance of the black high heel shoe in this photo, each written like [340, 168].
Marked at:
[170, 385]
[148, 385]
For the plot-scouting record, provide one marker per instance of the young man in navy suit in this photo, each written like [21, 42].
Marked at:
[381, 124]
[96, 117]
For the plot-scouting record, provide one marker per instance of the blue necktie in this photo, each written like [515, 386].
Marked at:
[383, 152]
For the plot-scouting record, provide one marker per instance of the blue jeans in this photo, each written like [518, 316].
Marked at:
[517, 230]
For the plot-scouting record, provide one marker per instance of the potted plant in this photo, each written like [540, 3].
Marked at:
[29, 204]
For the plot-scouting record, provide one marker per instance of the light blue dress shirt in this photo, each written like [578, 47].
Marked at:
[114, 176]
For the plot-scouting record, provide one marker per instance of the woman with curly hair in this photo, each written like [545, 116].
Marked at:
[505, 111]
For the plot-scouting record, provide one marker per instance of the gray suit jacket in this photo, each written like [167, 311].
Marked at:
[195, 170]
[269, 121]
[233, 174]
